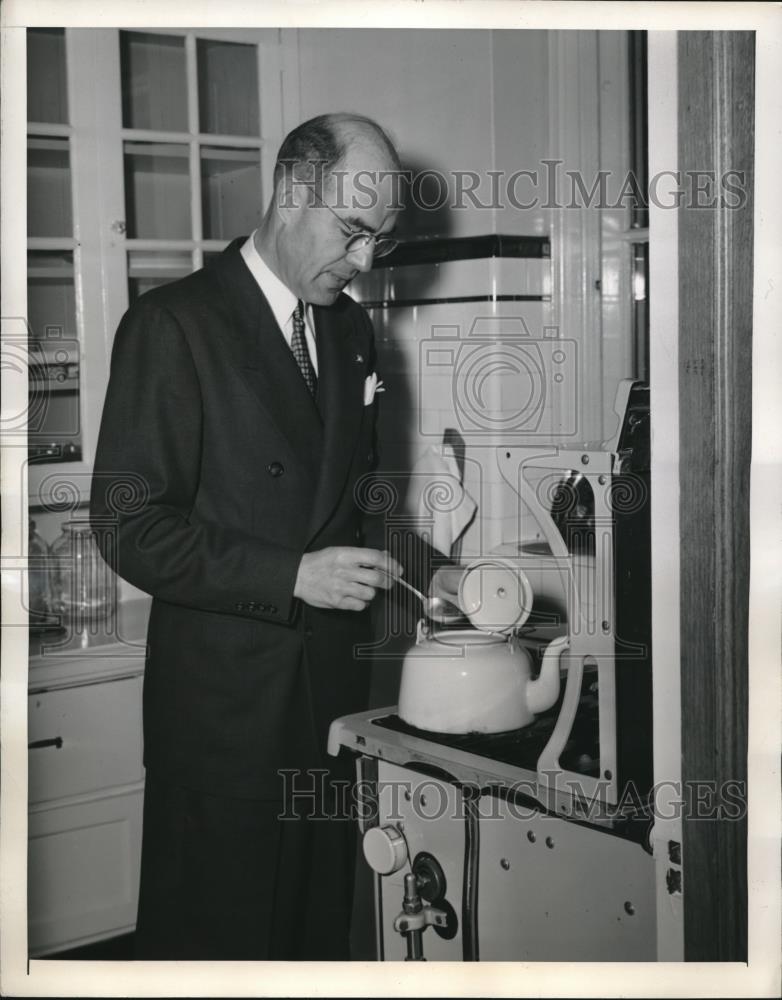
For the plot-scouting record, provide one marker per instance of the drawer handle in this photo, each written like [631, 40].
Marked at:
[39, 744]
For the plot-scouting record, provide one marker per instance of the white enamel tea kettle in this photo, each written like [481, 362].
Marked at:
[479, 680]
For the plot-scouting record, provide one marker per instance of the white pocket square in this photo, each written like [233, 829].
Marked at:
[372, 385]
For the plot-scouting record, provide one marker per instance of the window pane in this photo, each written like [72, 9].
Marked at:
[228, 88]
[157, 191]
[47, 87]
[54, 365]
[149, 269]
[230, 192]
[51, 305]
[49, 211]
[154, 83]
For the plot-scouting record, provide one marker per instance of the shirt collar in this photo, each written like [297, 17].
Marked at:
[280, 298]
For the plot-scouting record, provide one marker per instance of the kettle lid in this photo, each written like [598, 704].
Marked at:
[495, 594]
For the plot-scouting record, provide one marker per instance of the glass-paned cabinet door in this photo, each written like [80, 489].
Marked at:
[192, 142]
[146, 154]
[54, 423]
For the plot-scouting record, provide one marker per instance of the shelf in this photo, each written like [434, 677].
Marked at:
[164, 136]
[154, 150]
[227, 155]
[149, 269]
[53, 383]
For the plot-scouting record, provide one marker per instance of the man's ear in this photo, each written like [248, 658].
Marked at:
[291, 189]
[285, 196]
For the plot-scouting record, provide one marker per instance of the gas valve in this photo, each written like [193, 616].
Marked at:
[415, 917]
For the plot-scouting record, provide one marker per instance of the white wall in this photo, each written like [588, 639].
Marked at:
[506, 101]
[521, 116]
[452, 101]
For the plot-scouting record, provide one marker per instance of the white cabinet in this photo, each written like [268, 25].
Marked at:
[85, 787]
[83, 870]
[84, 739]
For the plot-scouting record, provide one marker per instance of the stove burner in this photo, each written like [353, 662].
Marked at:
[522, 747]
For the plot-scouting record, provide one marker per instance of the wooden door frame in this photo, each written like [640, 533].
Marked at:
[715, 133]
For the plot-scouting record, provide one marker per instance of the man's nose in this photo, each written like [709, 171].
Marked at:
[362, 258]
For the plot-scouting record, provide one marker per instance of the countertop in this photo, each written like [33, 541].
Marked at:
[112, 648]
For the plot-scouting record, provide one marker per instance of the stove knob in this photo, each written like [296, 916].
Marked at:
[385, 849]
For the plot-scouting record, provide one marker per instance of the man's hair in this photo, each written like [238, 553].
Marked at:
[316, 147]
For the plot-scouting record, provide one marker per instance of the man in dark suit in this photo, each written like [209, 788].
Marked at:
[238, 419]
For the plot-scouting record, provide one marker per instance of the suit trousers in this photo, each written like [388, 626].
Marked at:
[227, 879]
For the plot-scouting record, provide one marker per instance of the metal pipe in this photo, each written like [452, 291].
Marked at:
[470, 796]
[411, 904]
[415, 947]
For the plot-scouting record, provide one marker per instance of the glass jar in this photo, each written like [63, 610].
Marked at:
[84, 584]
[39, 591]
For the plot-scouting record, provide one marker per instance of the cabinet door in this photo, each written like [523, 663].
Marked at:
[84, 739]
[55, 321]
[83, 871]
[194, 146]
[132, 184]
[554, 891]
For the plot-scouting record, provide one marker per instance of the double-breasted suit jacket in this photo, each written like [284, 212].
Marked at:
[215, 471]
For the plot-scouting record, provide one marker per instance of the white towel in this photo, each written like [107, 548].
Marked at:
[436, 494]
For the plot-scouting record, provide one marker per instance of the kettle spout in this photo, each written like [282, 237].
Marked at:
[544, 690]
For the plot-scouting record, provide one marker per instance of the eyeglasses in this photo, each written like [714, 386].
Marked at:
[358, 239]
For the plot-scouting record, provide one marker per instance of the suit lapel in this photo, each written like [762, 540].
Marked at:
[322, 437]
[262, 357]
[340, 400]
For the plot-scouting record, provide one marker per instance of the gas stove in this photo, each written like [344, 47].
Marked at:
[463, 838]
[535, 844]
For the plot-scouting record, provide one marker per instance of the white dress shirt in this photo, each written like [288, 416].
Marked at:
[280, 298]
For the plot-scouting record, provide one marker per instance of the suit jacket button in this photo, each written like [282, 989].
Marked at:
[275, 469]
[272, 609]
[308, 632]
[240, 606]
[263, 607]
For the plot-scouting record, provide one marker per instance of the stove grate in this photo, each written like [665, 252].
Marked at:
[522, 747]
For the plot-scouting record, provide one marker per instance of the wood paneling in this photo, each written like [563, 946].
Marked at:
[716, 115]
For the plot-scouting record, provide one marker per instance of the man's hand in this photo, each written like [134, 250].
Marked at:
[343, 577]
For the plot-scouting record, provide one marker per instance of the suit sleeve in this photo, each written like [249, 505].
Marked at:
[146, 478]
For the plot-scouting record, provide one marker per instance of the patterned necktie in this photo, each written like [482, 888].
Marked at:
[300, 351]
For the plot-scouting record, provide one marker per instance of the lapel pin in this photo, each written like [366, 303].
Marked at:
[359, 359]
